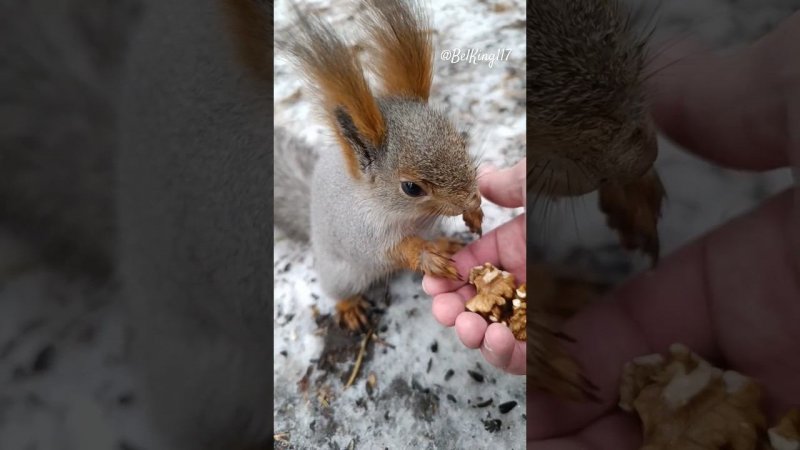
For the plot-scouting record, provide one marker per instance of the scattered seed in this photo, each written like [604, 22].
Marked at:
[448, 374]
[475, 376]
[492, 425]
[451, 398]
[44, 359]
[125, 399]
[430, 361]
[372, 381]
[507, 406]
[484, 404]
[435, 347]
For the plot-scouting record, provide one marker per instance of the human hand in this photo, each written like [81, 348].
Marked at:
[733, 296]
[505, 248]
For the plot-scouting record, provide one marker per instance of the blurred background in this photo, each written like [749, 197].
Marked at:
[64, 379]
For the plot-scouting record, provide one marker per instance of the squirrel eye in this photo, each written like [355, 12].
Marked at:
[412, 189]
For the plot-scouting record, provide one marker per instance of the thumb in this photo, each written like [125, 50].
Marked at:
[504, 187]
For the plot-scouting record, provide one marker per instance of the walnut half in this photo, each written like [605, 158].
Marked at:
[684, 402]
[498, 299]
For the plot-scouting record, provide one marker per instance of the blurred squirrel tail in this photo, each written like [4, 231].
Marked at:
[57, 137]
[294, 164]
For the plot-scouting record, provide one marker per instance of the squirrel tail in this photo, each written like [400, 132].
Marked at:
[294, 164]
[57, 135]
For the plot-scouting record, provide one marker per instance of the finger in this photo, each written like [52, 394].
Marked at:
[498, 345]
[504, 247]
[744, 267]
[470, 329]
[503, 351]
[504, 187]
[518, 364]
[446, 307]
[731, 109]
[434, 286]
[617, 431]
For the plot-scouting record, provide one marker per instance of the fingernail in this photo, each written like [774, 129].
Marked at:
[424, 287]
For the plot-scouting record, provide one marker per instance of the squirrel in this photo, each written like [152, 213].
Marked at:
[589, 129]
[400, 165]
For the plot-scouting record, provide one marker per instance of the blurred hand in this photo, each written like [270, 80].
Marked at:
[733, 296]
[505, 248]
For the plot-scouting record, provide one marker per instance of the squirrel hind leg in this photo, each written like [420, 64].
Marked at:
[351, 313]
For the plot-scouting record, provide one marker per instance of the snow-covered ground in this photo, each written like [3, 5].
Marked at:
[64, 381]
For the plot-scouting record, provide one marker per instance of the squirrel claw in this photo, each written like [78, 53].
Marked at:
[351, 313]
[436, 258]
[437, 265]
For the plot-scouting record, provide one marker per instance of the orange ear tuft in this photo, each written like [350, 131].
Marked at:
[403, 56]
[250, 23]
[334, 70]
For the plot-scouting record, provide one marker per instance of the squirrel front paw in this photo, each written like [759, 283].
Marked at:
[633, 209]
[351, 313]
[430, 257]
[436, 258]
[474, 221]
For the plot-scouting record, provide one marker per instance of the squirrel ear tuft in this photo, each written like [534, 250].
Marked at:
[335, 72]
[363, 150]
[403, 53]
[250, 24]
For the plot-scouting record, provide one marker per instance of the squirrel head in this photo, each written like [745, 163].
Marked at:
[587, 114]
[424, 165]
[411, 155]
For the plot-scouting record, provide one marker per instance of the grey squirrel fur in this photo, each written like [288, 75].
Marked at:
[359, 217]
